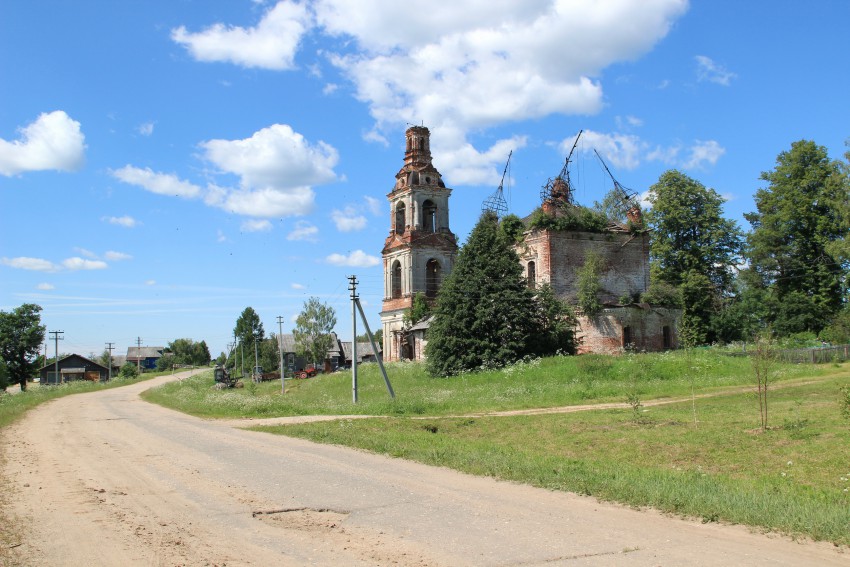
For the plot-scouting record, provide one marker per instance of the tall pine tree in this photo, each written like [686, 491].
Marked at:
[485, 313]
[795, 228]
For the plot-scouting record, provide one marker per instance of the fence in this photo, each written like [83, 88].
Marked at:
[818, 355]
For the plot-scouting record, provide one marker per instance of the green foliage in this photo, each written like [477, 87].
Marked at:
[417, 312]
[4, 375]
[377, 335]
[844, 401]
[838, 330]
[574, 217]
[21, 336]
[269, 354]
[513, 227]
[689, 232]
[188, 352]
[249, 328]
[555, 324]
[590, 284]
[663, 294]
[764, 363]
[698, 298]
[693, 247]
[485, 313]
[165, 362]
[796, 228]
[129, 370]
[313, 329]
[614, 206]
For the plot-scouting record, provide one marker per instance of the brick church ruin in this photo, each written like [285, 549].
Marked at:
[420, 251]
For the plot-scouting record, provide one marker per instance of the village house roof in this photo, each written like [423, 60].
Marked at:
[136, 353]
[77, 357]
[286, 343]
[364, 350]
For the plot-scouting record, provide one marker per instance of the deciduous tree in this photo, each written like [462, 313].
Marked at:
[313, 329]
[792, 247]
[21, 336]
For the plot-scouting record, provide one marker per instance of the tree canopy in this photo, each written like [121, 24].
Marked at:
[486, 315]
[690, 233]
[21, 336]
[313, 329]
[795, 264]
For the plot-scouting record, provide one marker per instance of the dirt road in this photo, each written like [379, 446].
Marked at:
[107, 479]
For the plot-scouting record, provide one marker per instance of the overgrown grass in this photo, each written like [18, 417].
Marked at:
[538, 383]
[793, 478]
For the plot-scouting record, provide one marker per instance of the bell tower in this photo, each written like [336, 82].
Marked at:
[420, 249]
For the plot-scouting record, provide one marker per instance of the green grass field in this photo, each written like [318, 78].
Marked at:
[793, 478]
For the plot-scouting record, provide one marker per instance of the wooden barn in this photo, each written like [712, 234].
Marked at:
[73, 367]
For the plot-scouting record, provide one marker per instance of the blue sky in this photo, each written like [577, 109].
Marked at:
[164, 165]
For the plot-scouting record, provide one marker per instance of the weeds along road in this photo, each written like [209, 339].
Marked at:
[108, 479]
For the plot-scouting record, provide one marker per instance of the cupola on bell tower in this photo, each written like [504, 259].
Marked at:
[420, 249]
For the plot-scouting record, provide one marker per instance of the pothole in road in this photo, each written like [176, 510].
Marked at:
[308, 519]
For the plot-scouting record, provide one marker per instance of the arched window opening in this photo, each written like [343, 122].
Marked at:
[668, 338]
[432, 278]
[399, 218]
[414, 178]
[532, 275]
[396, 283]
[627, 338]
[429, 216]
[428, 181]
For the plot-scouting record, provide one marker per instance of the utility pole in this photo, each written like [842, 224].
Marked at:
[355, 301]
[256, 361]
[352, 287]
[139, 354]
[56, 339]
[109, 347]
[280, 351]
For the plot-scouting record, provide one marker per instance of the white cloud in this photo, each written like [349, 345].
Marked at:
[256, 225]
[357, 259]
[220, 236]
[53, 142]
[114, 256]
[487, 63]
[45, 286]
[627, 151]
[348, 220]
[277, 168]
[704, 152]
[484, 63]
[271, 44]
[145, 129]
[34, 264]
[125, 221]
[87, 253]
[298, 286]
[330, 89]
[160, 183]
[374, 205]
[621, 150]
[77, 263]
[150, 282]
[303, 231]
[708, 70]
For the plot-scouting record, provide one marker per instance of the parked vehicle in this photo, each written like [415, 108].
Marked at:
[308, 372]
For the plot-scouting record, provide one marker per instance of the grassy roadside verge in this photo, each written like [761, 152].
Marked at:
[793, 478]
[540, 383]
